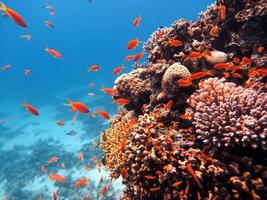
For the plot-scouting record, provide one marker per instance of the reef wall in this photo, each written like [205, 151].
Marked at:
[196, 123]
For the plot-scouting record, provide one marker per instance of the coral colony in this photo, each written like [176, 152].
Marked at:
[195, 125]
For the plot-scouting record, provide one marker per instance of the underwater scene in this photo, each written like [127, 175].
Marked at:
[133, 100]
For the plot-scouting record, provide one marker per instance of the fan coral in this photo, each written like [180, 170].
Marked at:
[226, 115]
[113, 142]
[172, 74]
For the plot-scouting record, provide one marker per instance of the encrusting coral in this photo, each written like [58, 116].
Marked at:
[206, 138]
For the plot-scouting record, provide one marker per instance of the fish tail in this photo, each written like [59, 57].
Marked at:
[69, 102]
[3, 7]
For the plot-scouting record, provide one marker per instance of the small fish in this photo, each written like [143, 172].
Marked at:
[138, 56]
[13, 15]
[91, 85]
[99, 169]
[77, 106]
[184, 82]
[51, 9]
[154, 189]
[129, 57]
[236, 60]
[236, 75]
[132, 44]
[71, 133]
[121, 101]
[80, 157]
[27, 72]
[81, 183]
[101, 179]
[60, 123]
[260, 71]
[214, 31]
[62, 165]
[57, 178]
[222, 12]
[104, 190]
[168, 105]
[199, 75]
[192, 173]
[118, 69]
[195, 55]
[123, 173]
[53, 52]
[173, 43]
[226, 74]
[245, 60]
[43, 169]
[222, 66]
[49, 24]
[94, 68]
[110, 91]
[184, 117]
[149, 177]
[87, 168]
[54, 195]
[53, 159]
[103, 114]
[260, 49]
[5, 67]
[31, 109]
[26, 37]
[91, 94]
[176, 184]
[136, 21]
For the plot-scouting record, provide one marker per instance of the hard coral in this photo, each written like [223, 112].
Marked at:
[226, 115]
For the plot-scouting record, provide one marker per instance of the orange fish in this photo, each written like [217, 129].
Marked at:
[95, 160]
[154, 189]
[104, 190]
[149, 177]
[199, 75]
[80, 183]
[57, 178]
[53, 159]
[195, 55]
[54, 195]
[27, 72]
[118, 69]
[122, 143]
[121, 101]
[222, 10]
[5, 67]
[94, 68]
[185, 117]
[129, 57]
[136, 21]
[173, 43]
[176, 184]
[80, 156]
[245, 60]
[214, 31]
[123, 173]
[110, 91]
[60, 123]
[43, 169]
[220, 66]
[236, 60]
[62, 165]
[168, 105]
[77, 106]
[184, 82]
[138, 56]
[132, 44]
[192, 173]
[236, 75]
[260, 49]
[53, 52]
[226, 74]
[31, 109]
[103, 114]
[13, 15]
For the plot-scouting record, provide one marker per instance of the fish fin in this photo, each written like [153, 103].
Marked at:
[69, 102]
[3, 7]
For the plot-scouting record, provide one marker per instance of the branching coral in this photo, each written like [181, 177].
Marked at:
[226, 115]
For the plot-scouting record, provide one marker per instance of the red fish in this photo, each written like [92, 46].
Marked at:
[118, 69]
[77, 106]
[222, 10]
[149, 177]
[27, 72]
[54, 195]
[43, 169]
[138, 56]
[132, 44]
[168, 105]
[94, 68]
[53, 52]
[49, 24]
[226, 74]
[136, 21]
[60, 123]
[13, 15]
[260, 71]
[110, 91]
[5, 67]
[154, 189]
[80, 157]
[245, 60]
[57, 178]
[260, 49]
[184, 82]
[176, 184]
[53, 159]
[80, 183]
[121, 101]
[192, 173]
[103, 114]
[62, 165]
[173, 43]
[199, 75]
[31, 109]
[129, 57]
[123, 173]
[214, 31]
[222, 66]
[104, 190]
[185, 117]
[101, 179]
[195, 55]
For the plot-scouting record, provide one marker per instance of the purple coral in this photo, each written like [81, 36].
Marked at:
[226, 115]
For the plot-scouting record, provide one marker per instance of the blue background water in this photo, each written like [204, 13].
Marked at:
[86, 34]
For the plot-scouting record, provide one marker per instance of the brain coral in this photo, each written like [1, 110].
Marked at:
[172, 74]
[226, 115]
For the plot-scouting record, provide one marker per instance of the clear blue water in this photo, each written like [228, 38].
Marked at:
[86, 34]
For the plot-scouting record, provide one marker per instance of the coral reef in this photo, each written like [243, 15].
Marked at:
[206, 139]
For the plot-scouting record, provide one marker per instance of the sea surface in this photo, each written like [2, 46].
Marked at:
[86, 33]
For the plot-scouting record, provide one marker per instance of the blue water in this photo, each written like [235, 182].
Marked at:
[86, 34]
